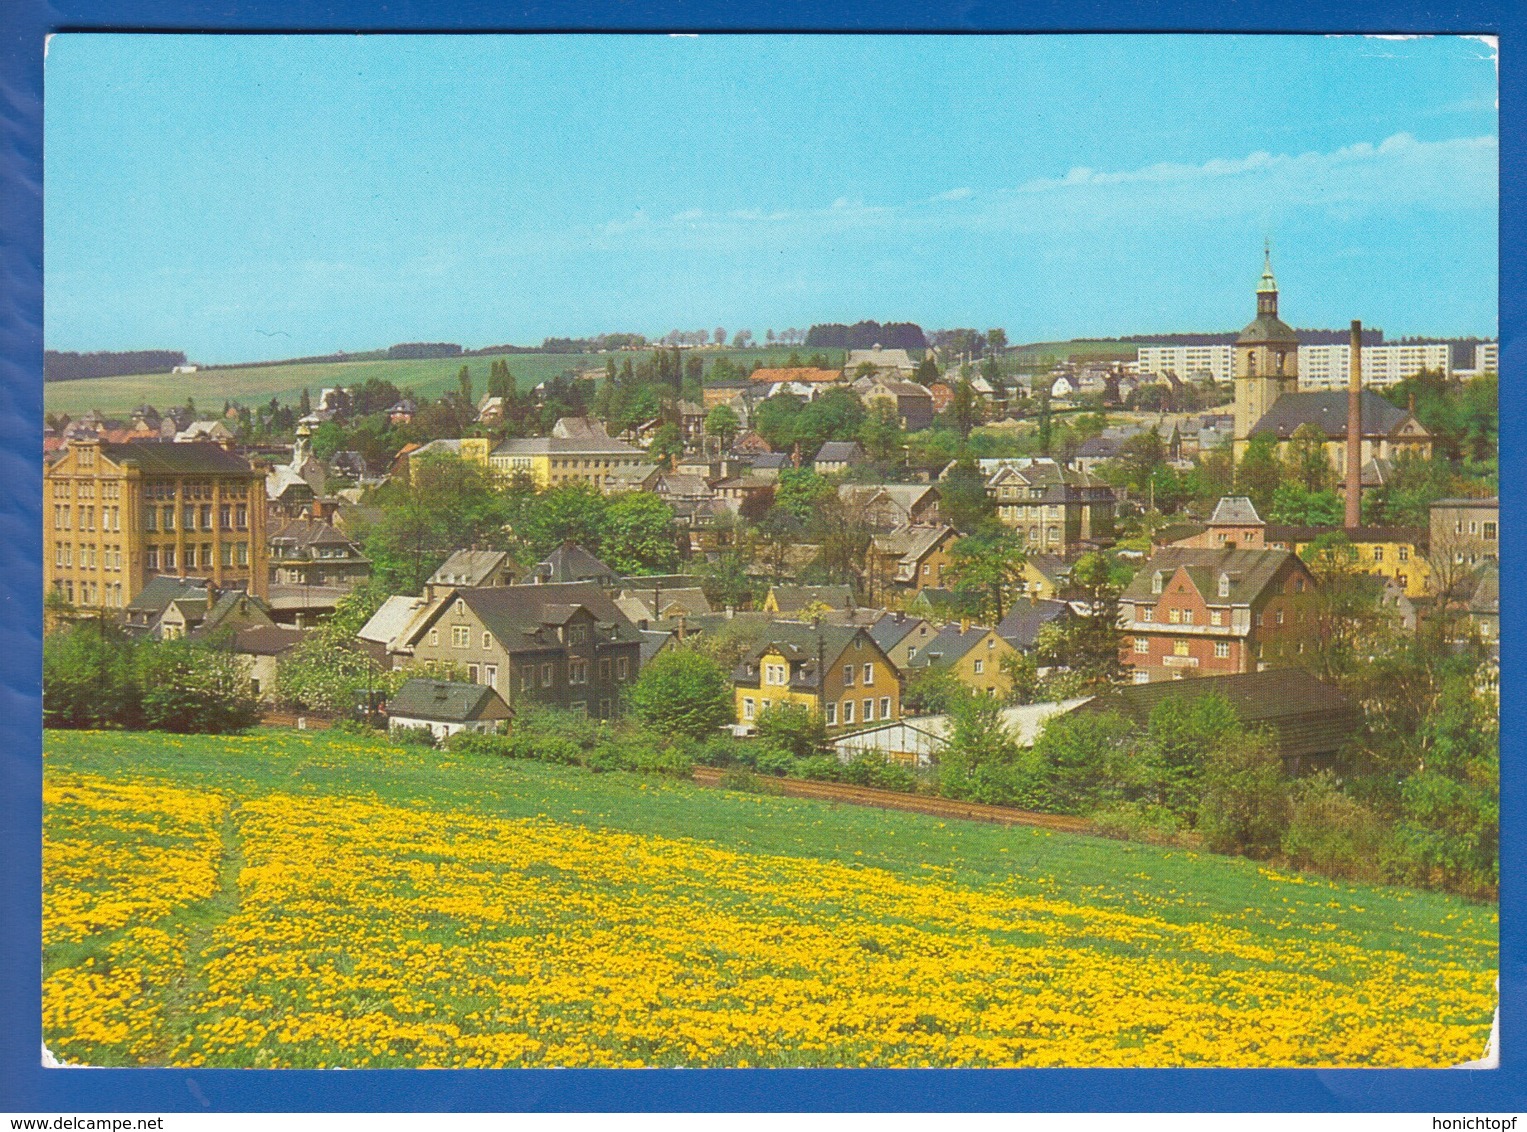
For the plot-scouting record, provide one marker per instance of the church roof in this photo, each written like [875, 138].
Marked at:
[1267, 328]
[1327, 411]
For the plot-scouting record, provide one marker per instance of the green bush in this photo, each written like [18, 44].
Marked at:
[874, 768]
[819, 768]
[1244, 804]
[420, 736]
[1331, 833]
[681, 692]
[1139, 821]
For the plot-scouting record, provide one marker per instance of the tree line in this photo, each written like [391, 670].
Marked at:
[64, 365]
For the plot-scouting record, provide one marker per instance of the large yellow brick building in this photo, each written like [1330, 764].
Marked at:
[116, 515]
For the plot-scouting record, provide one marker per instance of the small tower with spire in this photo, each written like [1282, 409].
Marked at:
[1266, 358]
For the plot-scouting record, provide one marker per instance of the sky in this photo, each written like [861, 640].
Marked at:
[251, 197]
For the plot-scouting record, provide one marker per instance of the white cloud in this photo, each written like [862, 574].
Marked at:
[953, 194]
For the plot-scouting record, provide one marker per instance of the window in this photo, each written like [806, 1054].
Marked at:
[925, 569]
[169, 518]
[225, 516]
[1142, 676]
[1146, 612]
[604, 670]
[885, 707]
[150, 514]
[527, 677]
[434, 636]
[227, 554]
[461, 637]
[1174, 616]
[1179, 648]
[1489, 530]
[1187, 617]
[1378, 554]
[1216, 617]
[169, 558]
[546, 675]
[1402, 579]
[577, 672]
[848, 675]
[748, 709]
[1473, 526]
[979, 667]
[241, 553]
[577, 634]
[622, 667]
[832, 715]
[1279, 616]
[206, 516]
[848, 711]
[1404, 554]
[1143, 646]
[869, 673]
[1156, 582]
[1222, 649]
[151, 558]
[869, 711]
[472, 674]
[241, 516]
[1298, 585]
[487, 641]
[1224, 585]
[461, 608]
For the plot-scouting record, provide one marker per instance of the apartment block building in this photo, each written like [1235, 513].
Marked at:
[119, 515]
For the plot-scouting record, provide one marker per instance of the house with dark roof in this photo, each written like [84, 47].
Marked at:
[911, 558]
[473, 569]
[838, 671]
[1020, 628]
[974, 653]
[901, 636]
[1215, 612]
[886, 506]
[447, 707]
[911, 402]
[1309, 721]
[261, 648]
[562, 644]
[311, 552]
[1054, 509]
[1233, 525]
[837, 456]
[571, 563]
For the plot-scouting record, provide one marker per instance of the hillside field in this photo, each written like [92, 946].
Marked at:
[299, 899]
[255, 385]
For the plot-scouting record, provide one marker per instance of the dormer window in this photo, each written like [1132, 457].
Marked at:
[1157, 581]
[1224, 585]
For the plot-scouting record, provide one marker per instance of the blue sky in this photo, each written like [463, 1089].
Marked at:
[244, 197]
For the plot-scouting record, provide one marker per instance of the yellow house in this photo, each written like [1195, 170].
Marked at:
[471, 449]
[836, 670]
[551, 461]
[1044, 576]
[976, 655]
[1387, 552]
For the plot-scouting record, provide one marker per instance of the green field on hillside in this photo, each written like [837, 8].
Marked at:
[429, 378]
[1030, 353]
[305, 899]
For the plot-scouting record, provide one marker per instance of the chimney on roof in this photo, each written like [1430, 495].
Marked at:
[1354, 501]
[964, 625]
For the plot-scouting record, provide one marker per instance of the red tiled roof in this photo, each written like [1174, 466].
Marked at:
[797, 373]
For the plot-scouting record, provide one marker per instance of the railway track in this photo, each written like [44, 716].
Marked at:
[910, 803]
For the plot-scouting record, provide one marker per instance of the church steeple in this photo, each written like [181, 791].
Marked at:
[1267, 290]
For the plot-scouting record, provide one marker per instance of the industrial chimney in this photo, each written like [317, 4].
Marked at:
[1354, 509]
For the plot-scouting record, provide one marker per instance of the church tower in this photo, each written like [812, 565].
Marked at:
[1266, 359]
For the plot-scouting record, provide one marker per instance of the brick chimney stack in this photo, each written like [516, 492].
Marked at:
[1354, 501]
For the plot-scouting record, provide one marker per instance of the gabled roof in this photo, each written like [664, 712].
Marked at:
[1235, 510]
[1326, 409]
[571, 446]
[311, 532]
[579, 428]
[442, 701]
[393, 619]
[950, 645]
[770, 460]
[520, 616]
[809, 374]
[1305, 716]
[268, 640]
[1054, 568]
[844, 451]
[1415, 536]
[234, 609]
[1020, 628]
[802, 643]
[1249, 571]
[161, 589]
[892, 628]
[569, 563]
[469, 567]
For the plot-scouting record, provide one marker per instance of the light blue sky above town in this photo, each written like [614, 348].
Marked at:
[245, 197]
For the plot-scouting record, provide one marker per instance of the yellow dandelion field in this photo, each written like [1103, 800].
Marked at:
[287, 928]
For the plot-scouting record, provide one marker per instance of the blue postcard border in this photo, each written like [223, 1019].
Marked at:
[25, 1086]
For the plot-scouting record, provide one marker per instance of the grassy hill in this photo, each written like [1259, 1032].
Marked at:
[256, 384]
[301, 899]
[1033, 352]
